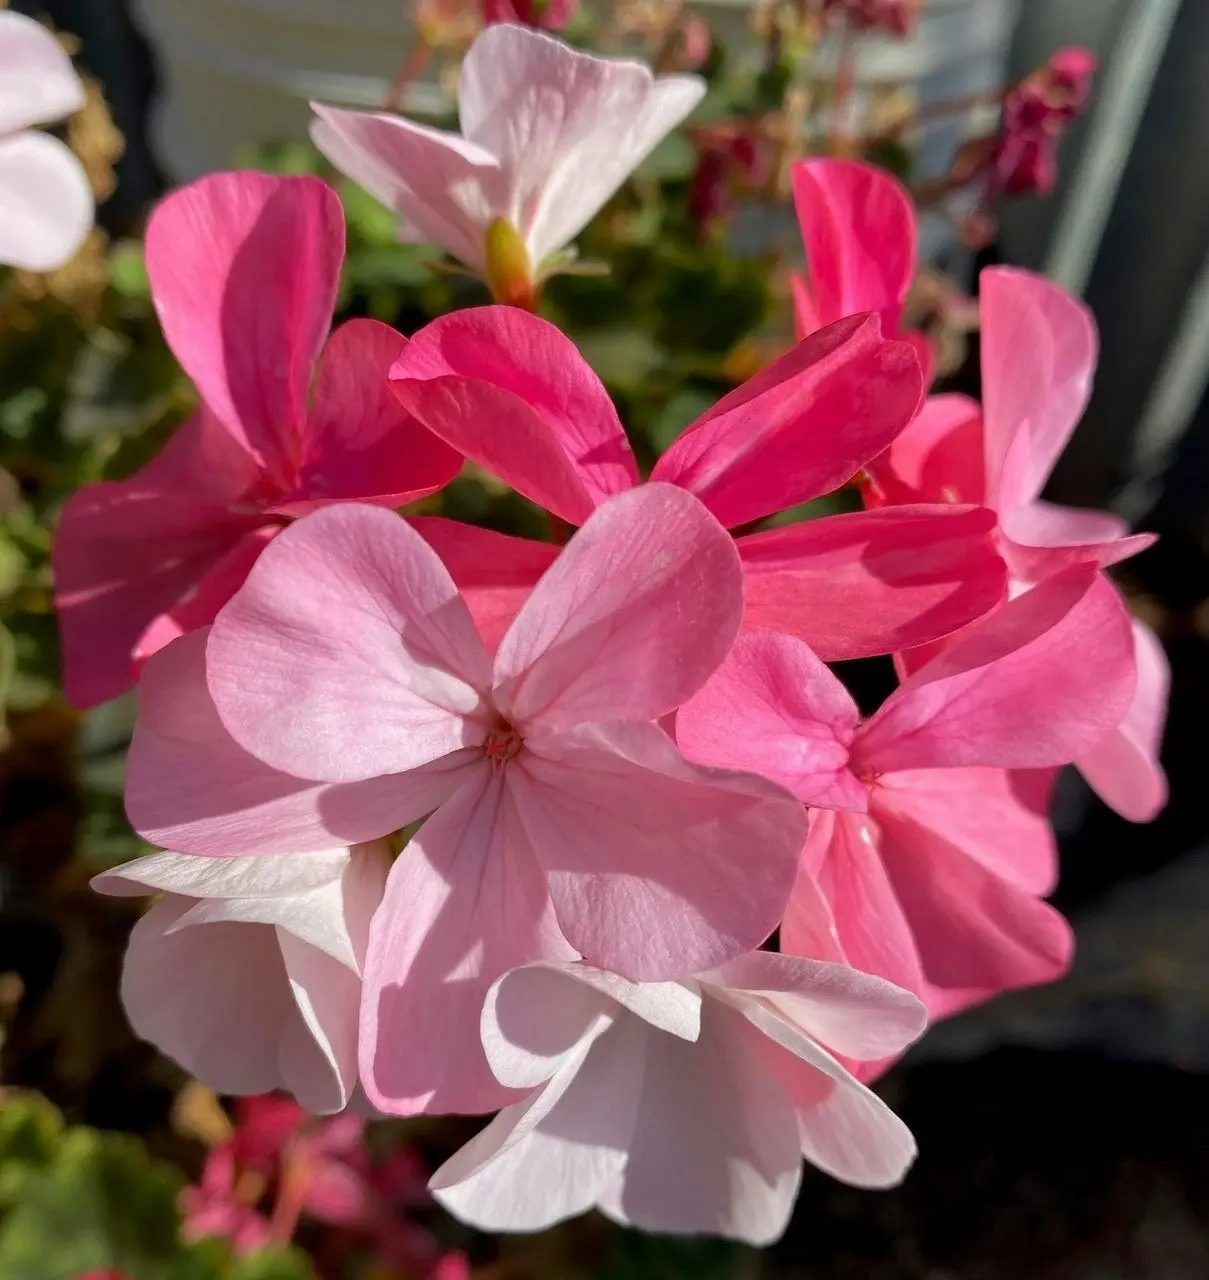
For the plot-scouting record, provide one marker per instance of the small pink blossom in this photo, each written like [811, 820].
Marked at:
[352, 695]
[512, 393]
[215, 1207]
[549, 15]
[931, 869]
[244, 272]
[1038, 358]
[681, 1107]
[548, 135]
[897, 17]
[46, 206]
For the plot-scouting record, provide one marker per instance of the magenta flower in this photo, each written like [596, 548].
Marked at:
[511, 392]
[244, 270]
[214, 1207]
[931, 869]
[349, 672]
[550, 15]
[1038, 360]
[681, 1107]
[47, 199]
[896, 17]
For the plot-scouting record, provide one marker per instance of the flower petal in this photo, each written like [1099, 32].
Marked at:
[658, 868]
[630, 620]
[938, 457]
[774, 709]
[465, 902]
[1038, 682]
[568, 128]
[46, 205]
[873, 582]
[244, 269]
[348, 653]
[38, 84]
[801, 427]
[1043, 539]
[447, 189]
[513, 394]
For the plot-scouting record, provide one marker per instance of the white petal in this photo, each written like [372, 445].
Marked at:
[46, 205]
[38, 84]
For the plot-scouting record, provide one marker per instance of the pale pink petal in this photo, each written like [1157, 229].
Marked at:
[996, 816]
[554, 1155]
[1124, 768]
[774, 709]
[465, 902]
[206, 879]
[495, 572]
[348, 653]
[568, 128]
[714, 1147]
[46, 206]
[801, 427]
[447, 188]
[513, 394]
[858, 226]
[937, 458]
[1042, 539]
[1039, 350]
[38, 84]
[358, 441]
[192, 788]
[1035, 684]
[244, 269]
[841, 858]
[657, 867]
[873, 582]
[127, 553]
[847, 1011]
[973, 928]
[630, 620]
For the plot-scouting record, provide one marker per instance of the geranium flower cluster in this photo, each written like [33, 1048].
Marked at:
[455, 821]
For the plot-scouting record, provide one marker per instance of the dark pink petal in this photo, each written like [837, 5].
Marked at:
[801, 427]
[495, 572]
[129, 551]
[244, 269]
[190, 787]
[873, 582]
[774, 709]
[358, 441]
[1038, 682]
[937, 458]
[348, 653]
[974, 929]
[513, 394]
[858, 226]
[657, 867]
[1124, 768]
[465, 902]
[629, 621]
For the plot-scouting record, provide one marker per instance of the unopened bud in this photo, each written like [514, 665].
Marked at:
[509, 271]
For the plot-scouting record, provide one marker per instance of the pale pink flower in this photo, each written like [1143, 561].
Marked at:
[512, 393]
[247, 970]
[244, 271]
[1038, 359]
[932, 869]
[348, 659]
[46, 206]
[684, 1107]
[548, 135]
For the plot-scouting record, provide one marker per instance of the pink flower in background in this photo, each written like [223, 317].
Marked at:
[551, 15]
[244, 270]
[513, 393]
[46, 206]
[349, 659]
[548, 135]
[897, 17]
[933, 865]
[1038, 360]
[681, 1107]
[214, 1206]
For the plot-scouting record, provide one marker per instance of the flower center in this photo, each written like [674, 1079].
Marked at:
[503, 742]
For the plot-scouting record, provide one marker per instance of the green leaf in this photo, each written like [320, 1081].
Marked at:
[128, 271]
[272, 1264]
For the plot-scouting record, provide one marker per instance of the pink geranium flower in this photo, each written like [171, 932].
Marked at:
[511, 392]
[683, 1107]
[1038, 359]
[356, 696]
[932, 867]
[244, 270]
[46, 206]
[548, 135]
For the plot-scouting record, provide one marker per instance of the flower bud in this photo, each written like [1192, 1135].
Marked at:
[509, 271]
